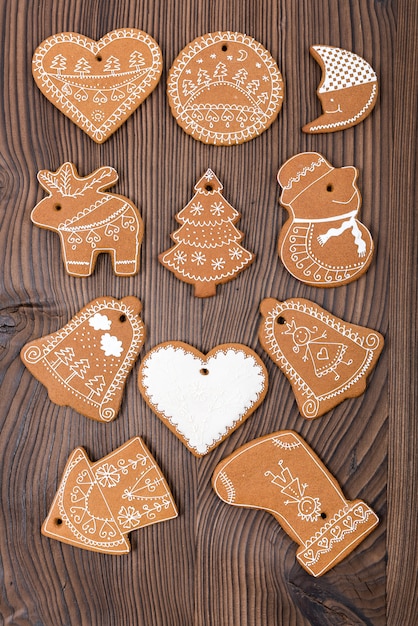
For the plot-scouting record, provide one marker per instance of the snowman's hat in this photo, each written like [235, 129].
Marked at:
[300, 172]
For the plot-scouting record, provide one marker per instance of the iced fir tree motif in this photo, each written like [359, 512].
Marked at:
[207, 250]
[82, 67]
[112, 65]
[59, 63]
[136, 60]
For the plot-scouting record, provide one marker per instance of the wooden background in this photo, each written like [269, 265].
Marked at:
[215, 564]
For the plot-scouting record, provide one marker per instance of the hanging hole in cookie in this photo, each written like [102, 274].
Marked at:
[224, 48]
[122, 318]
[58, 521]
[330, 187]
[323, 515]
[209, 188]
[280, 320]
[98, 58]
[57, 207]
[204, 371]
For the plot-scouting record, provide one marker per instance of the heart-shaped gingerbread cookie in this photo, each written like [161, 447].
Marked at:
[98, 84]
[202, 398]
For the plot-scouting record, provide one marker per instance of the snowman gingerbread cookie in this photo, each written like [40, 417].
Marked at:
[322, 243]
[347, 91]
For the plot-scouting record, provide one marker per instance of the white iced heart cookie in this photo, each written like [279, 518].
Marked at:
[202, 398]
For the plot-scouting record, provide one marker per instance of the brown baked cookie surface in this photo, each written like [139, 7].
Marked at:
[85, 364]
[225, 88]
[98, 504]
[347, 91]
[98, 84]
[281, 474]
[325, 359]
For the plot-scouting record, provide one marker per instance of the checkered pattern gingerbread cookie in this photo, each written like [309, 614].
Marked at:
[347, 91]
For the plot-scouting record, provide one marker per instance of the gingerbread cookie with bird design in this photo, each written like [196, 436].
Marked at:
[325, 359]
[98, 504]
[225, 88]
[98, 84]
[322, 243]
[85, 364]
[347, 91]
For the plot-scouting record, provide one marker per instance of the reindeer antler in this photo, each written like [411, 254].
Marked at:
[64, 179]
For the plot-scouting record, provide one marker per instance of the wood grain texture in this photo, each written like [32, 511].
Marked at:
[214, 564]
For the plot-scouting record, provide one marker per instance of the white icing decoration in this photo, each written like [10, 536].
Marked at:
[202, 408]
[111, 345]
[100, 322]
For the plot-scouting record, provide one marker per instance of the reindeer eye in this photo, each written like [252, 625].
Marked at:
[57, 207]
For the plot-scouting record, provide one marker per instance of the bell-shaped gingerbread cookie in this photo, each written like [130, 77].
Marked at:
[325, 359]
[281, 474]
[98, 504]
[347, 91]
[85, 364]
[322, 243]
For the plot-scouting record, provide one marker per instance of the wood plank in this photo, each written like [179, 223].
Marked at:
[214, 564]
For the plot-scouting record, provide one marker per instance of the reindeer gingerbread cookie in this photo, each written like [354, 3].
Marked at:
[89, 220]
[322, 243]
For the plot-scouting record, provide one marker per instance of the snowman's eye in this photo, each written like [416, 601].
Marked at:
[330, 188]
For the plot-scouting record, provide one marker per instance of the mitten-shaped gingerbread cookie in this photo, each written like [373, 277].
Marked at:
[98, 504]
[322, 243]
[207, 251]
[281, 474]
[325, 359]
[85, 364]
[347, 91]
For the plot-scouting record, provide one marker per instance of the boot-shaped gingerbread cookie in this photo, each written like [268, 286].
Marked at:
[322, 243]
[98, 504]
[325, 359]
[85, 364]
[282, 475]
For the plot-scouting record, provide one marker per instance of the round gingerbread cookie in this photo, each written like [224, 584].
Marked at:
[225, 88]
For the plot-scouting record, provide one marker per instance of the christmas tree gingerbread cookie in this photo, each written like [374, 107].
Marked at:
[322, 243]
[98, 504]
[325, 359]
[281, 474]
[85, 364]
[225, 88]
[89, 220]
[347, 91]
[207, 251]
[202, 398]
[98, 84]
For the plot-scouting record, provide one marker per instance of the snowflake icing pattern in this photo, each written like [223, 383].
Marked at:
[218, 264]
[199, 258]
[180, 257]
[235, 253]
[217, 208]
[107, 475]
[196, 209]
[129, 517]
[111, 345]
